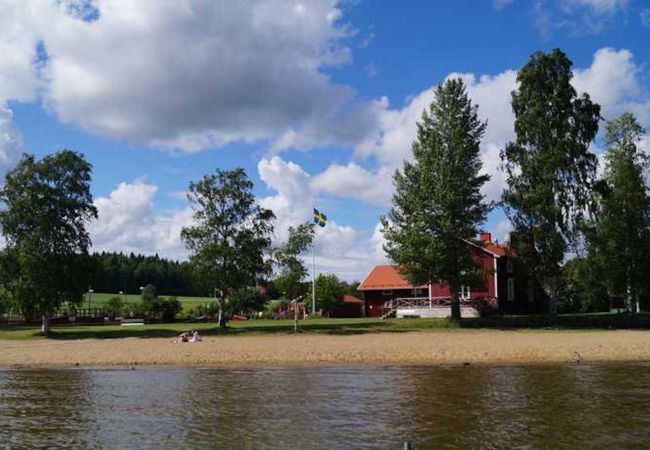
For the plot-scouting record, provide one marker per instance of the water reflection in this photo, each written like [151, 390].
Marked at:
[374, 407]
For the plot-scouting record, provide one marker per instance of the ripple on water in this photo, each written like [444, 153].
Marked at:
[324, 407]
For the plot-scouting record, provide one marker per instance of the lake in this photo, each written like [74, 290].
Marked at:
[571, 406]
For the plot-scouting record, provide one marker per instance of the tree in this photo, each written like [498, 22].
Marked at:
[231, 236]
[47, 205]
[550, 171]
[292, 269]
[246, 301]
[621, 235]
[330, 292]
[438, 203]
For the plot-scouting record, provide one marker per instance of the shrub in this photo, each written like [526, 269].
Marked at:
[115, 306]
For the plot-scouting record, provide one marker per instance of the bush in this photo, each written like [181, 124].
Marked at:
[169, 308]
[115, 306]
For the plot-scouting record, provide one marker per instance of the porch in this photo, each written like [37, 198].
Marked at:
[426, 307]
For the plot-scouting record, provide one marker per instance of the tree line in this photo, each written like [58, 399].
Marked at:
[583, 236]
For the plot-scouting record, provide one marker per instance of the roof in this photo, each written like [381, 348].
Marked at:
[351, 299]
[384, 277]
[387, 277]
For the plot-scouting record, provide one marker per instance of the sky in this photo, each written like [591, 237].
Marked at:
[317, 100]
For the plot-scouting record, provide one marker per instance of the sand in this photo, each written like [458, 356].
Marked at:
[417, 348]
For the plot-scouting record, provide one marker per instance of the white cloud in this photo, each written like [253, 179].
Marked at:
[645, 17]
[340, 249]
[355, 181]
[614, 81]
[11, 144]
[128, 222]
[187, 74]
[578, 17]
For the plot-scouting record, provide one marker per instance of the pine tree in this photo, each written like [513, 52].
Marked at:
[438, 203]
[622, 231]
[550, 170]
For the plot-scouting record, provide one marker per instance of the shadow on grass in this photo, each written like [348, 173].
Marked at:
[600, 321]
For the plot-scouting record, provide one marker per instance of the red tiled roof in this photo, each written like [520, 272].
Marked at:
[388, 277]
[384, 277]
[351, 299]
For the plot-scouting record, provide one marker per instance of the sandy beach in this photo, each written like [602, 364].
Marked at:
[418, 348]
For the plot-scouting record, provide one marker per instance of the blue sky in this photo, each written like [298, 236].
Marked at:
[317, 100]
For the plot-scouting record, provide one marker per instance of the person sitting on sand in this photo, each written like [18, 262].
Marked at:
[196, 337]
[183, 337]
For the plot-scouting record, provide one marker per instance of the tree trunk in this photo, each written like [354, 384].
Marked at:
[45, 325]
[222, 313]
[455, 305]
[552, 298]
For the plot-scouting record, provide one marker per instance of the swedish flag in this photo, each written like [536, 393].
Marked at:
[319, 218]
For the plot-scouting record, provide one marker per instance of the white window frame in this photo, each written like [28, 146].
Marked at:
[511, 289]
[465, 293]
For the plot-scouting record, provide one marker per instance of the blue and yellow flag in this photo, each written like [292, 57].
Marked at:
[319, 218]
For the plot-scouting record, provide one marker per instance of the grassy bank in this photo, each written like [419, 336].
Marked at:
[100, 299]
[251, 327]
[336, 326]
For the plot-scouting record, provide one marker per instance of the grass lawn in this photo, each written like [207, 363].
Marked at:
[250, 327]
[99, 300]
[597, 321]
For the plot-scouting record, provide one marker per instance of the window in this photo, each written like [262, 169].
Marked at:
[511, 289]
[464, 293]
[417, 292]
[510, 267]
[386, 293]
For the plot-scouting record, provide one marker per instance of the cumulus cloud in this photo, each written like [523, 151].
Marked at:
[128, 222]
[578, 17]
[11, 144]
[614, 81]
[355, 181]
[340, 249]
[187, 74]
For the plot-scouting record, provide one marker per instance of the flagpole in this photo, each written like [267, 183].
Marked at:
[313, 278]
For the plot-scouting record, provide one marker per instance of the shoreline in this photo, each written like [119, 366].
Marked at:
[422, 348]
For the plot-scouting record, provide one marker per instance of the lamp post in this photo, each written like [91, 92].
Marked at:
[90, 292]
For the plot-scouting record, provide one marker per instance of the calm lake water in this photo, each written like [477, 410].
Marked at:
[578, 406]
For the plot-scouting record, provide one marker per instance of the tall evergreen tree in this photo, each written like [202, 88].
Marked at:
[550, 171]
[438, 203]
[231, 236]
[621, 242]
[47, 206]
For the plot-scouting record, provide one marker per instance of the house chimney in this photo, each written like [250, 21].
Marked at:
[485, 237]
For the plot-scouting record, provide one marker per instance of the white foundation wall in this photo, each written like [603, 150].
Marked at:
[435, 312]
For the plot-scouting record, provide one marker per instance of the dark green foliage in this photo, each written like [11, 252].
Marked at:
[620, 236]
[438, 203]
[118, 272]
[115, 306]
[291, 268]
[329, 292]
[583, 288]
[231, 235]
[154, 307]
[46, 207]
[246, 301]
[550, 171]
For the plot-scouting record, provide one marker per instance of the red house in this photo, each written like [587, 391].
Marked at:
[504, 285]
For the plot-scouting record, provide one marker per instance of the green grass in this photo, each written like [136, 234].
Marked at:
[99, 300]
[575, 322]
[251, 327]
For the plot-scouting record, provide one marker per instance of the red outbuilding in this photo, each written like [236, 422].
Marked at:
[504, 285]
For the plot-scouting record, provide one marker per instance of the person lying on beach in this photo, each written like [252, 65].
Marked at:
[196, 337]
